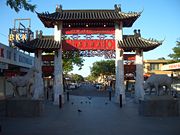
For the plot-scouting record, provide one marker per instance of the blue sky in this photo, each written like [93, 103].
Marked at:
[160, 20]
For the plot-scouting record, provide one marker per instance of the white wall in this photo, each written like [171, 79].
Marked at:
[15, 57]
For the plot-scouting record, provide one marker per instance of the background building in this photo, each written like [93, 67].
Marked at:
[162, 67]
[155, 67]
[175, 69]
[12, 63]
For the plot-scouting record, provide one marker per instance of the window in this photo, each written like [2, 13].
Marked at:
[154, 66]
[8, 55]
[15, 56]
[25, 60]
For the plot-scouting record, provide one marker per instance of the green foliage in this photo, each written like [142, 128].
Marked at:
[67, 65]
[176, 55]
[77, 78]
[17, 5]
[103, 68]
[72, 59]
[91, 78]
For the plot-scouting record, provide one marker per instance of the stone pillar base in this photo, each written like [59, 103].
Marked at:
[159, 106]
[56, 101]
[24, 107]
[117, 99]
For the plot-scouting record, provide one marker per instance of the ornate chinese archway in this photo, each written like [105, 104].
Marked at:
[92, 33]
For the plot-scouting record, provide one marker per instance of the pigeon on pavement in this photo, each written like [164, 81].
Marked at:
[79, 110]
[89, 98]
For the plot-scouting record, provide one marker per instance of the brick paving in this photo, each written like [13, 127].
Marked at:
[91, 116]
[98, 116]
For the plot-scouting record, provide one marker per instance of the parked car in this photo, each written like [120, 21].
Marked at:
[77, 85]
[99, 86]
[176, 87]
[71, 86]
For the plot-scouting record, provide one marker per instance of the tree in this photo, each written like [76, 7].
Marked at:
[77, 78]
[176, 55]
[17, 5]
[71, 59]
[103, 68]
[91, 78]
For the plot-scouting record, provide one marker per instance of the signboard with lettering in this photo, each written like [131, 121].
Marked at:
[107, 44]
[88, 38]
[16, 35]
[174, 66]
[20, 33]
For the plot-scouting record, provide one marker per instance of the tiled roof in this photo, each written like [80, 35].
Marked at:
[80, 16]
[44, 44]
[131, 42]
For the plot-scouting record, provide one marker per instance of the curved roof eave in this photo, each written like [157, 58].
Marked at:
[49, 19]
[130, 43]
[42, 44]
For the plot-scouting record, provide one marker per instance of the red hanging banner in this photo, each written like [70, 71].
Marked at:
[107, 44]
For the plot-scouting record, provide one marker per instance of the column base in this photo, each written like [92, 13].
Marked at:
[162, 106]
[117, 99]
[56, 99]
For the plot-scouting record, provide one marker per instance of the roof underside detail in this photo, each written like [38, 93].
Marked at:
[131, 43]
[46, 44]
[70, 17]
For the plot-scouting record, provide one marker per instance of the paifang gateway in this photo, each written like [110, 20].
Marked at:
[96, 32]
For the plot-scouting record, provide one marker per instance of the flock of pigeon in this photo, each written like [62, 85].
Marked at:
[89, 98]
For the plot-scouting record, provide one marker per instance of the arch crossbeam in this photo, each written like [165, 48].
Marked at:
[108, 54]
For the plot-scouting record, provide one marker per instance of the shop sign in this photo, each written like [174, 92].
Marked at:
[17, 37]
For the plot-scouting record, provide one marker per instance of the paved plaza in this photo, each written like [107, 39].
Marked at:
[91, 116]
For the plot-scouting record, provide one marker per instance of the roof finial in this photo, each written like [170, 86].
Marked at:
[117, 7]
[137, 33]
[37, 34]
[58, 8]
[40, 34]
